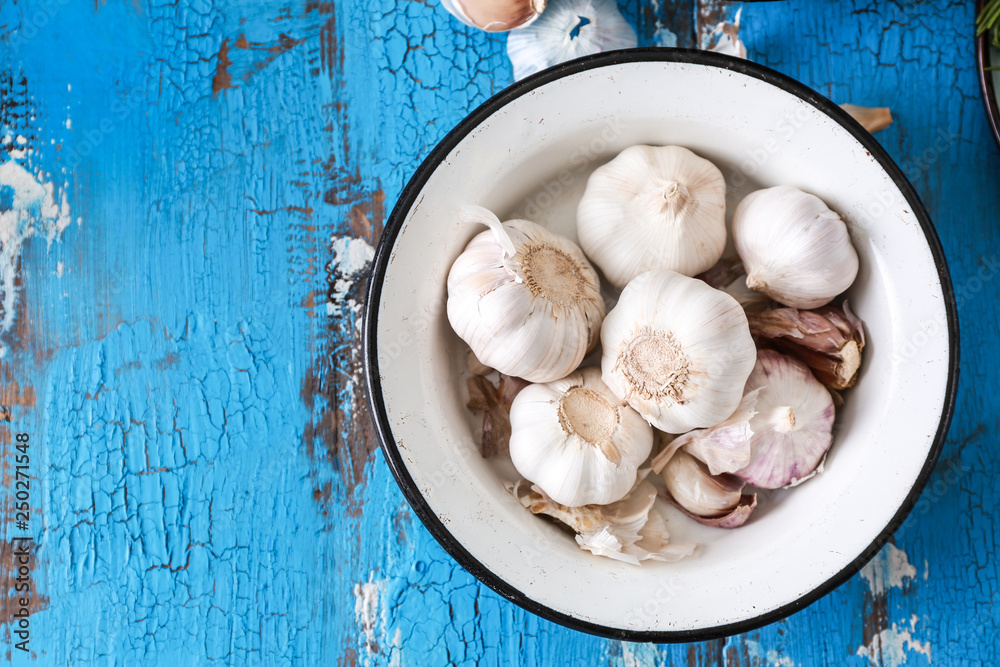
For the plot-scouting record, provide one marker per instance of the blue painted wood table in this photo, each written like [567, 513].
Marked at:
[189, 196]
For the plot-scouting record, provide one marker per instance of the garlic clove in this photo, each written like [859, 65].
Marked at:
[628, 530]
[696, 490]
[495, 15]
[829, 340]
[795, 249]
[793, 427]
[653, 207]
[677, 350]
[525, 300]
[729, 276]
[724, 448]
[568, 29]
[872, 119]
[574, 439]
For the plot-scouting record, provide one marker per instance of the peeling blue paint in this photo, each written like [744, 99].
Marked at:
[192, 506]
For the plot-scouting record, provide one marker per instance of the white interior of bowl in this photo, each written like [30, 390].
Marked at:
[532, 157]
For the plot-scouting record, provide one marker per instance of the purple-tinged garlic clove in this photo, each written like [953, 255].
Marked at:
[829, 340]
[724, 448]
[793, 427]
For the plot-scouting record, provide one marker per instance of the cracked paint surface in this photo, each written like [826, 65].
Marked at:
[188, 361]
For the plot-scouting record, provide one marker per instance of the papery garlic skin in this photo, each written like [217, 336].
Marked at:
[724, 448]
[525, 300]
[677, 350]
[629, 530]
[829, 340]
[495, 15]
[559, 35]
[795, 249]
[728, 34]
[653, 207]
[576, 441]
[793, 427]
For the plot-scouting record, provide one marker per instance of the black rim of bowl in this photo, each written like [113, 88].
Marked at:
[380, 265]
[986, 80]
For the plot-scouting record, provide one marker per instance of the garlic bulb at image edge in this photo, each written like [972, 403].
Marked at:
[629, 530]
[794, 248]
[576, 441]
[793, 427]
[568, 29]
[677, 350]
[495, 15]
[653, 207]
[525, 300]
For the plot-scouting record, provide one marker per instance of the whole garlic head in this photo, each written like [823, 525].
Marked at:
[576, 441]
[677, 350]
[495, 15]
[793, 427]
[795, 249]
[525, 300]
[653, 207]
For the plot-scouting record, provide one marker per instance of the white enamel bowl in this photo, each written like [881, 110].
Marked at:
[528, 152]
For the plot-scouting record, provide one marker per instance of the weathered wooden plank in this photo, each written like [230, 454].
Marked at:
[210, 488]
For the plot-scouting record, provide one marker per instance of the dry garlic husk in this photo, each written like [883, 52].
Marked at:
[677, 350]
[872, 119]
[715, 500]
[525, 300]
[729, 276]
[495, 15]
[628, 530]
[727, 37]
[653, 207]
[793, 427]
[829, 340]
[795, 249]
[576, 440]
[568, 29]
[495, 403]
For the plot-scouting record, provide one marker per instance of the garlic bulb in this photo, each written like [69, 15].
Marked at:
[576, 441]
[495, 15]
[793, 427]
[677, 350]
[715, 500]
[628, 530]
[828, 340]
[525, 300]
[795, 249]
[568, 29]
[653, 207]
